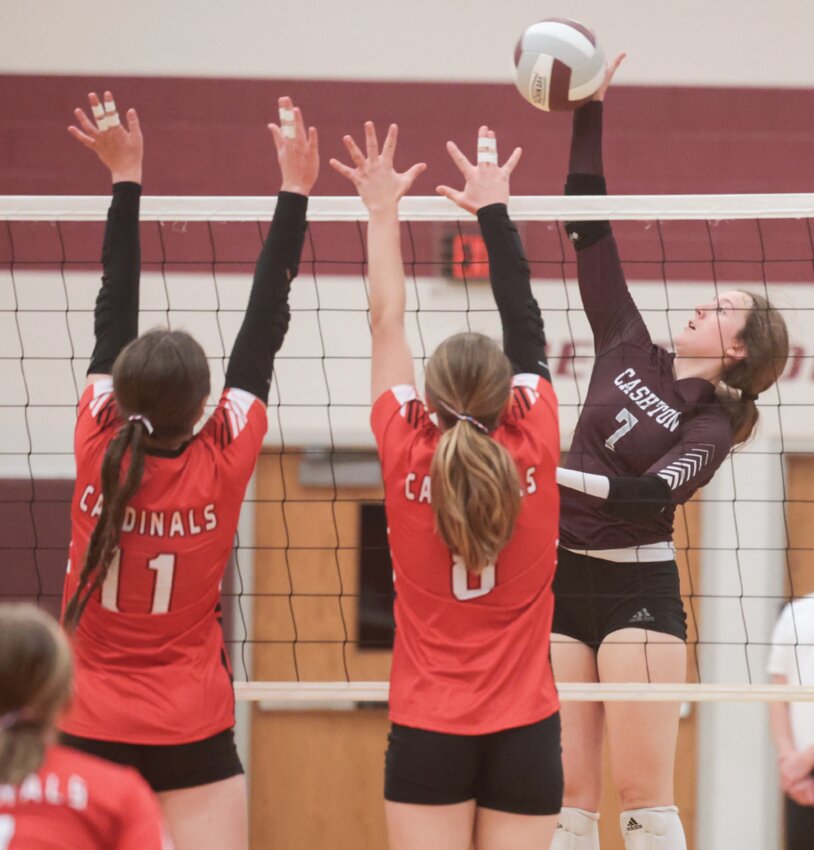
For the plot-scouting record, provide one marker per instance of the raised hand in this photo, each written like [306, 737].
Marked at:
[487, 182]
[610, 71]
[120, 148]
[379, 185]
[297, 151]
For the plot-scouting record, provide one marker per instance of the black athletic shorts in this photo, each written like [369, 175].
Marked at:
[594, 597]
[172, 766]
[516, 770]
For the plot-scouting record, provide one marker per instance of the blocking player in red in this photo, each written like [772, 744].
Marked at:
[52, 797]
[156, 505]
[654, 428]
[472, 509]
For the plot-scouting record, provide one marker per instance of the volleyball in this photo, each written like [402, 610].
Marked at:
[559, 64]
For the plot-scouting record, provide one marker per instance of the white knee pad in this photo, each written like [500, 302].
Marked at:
[576, 830]
[653, 829]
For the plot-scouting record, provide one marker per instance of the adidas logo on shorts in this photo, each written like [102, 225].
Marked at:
[642, 616]
[633, 824]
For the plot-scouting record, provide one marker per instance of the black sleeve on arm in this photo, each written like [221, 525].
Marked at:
[523, 332]
[116, 313]
[585, 174]
[637, 498]
[267, 315]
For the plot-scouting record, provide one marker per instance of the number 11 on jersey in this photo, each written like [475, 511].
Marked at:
[164, 567]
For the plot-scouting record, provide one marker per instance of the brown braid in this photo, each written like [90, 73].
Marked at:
[104, 541]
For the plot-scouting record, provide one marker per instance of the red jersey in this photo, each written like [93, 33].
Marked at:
[151, 666]
[77, 801]
[471, 653]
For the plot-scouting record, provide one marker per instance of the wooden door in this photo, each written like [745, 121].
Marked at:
[317, 775]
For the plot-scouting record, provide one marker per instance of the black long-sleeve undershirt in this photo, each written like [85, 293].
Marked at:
[267, 314]
[637, 498]
[585, 172]
[523, 329]
[117, 304]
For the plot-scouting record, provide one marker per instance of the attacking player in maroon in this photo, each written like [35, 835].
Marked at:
[655, 426]
[474, 751]
[52, 797]
[156, 506]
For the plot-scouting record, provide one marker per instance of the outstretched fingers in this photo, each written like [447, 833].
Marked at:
[463, 164]
[512, 161]
[353, 149]
[412, 173]
[389, 146]
[454, 195]
[371, 142]
[344, 170]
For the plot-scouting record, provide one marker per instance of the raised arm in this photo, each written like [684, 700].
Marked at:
[486, 194]
[121, 150]
[267, 314]
[611, 311]
[381, 187]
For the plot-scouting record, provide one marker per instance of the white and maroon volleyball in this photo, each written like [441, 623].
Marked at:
[559, 64]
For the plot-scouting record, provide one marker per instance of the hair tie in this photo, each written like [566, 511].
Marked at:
[9, 720]
[137, 417]
[747, 396]
[465, 417]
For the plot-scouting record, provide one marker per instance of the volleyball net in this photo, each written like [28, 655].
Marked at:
[308, 595]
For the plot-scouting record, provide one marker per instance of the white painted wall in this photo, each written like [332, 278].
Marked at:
[694, 42]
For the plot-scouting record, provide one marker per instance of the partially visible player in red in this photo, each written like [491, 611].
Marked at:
[472, 510]
[52, 797]
[156, 505]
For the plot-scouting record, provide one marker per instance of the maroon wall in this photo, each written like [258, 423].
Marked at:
[208, 136]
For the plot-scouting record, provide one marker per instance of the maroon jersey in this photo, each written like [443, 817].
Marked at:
[637, 419]
[77, 801]
[151, 667]
[471, 653]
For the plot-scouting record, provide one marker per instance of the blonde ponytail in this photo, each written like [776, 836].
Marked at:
[474, 480]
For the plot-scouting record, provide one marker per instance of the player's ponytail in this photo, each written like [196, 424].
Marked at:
[104, 541]
[766, 340]
[35, 683]
[160, 381]
[474, 480]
